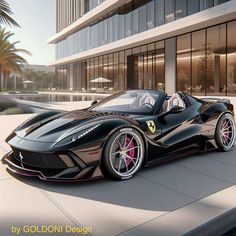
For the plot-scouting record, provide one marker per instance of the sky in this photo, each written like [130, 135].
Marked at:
[37, 20]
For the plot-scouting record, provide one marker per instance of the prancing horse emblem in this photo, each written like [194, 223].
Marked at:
[21, 157]
[151, 125]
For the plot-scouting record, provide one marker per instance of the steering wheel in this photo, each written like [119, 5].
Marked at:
[147, 105]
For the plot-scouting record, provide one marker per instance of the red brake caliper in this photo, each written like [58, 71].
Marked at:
[130, 153]
[226, 130]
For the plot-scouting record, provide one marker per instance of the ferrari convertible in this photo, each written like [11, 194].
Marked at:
[119, 135]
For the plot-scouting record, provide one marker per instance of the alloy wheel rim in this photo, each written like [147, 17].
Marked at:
[126, 154]
[227, 132]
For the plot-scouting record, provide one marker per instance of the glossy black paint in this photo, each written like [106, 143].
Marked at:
[43, 139]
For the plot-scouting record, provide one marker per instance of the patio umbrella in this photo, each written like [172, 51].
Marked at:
[100, 80]
[28, 82]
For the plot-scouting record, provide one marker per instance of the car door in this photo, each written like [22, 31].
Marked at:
[179, 129]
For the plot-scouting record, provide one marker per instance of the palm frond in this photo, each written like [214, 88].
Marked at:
[5, 14]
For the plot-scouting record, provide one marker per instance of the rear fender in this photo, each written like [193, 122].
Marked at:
[213, 111]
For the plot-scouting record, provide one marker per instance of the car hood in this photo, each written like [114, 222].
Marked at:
[56, 128]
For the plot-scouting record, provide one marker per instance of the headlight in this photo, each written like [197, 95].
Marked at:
[74, 137]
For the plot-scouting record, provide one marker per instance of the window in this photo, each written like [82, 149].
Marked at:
[150, 15]
[216, 60]
[142, 18]
[204, 4]
[135, 21]
[110, 29]
[101, 33]
[95, 35]
[231, 59]
[159, 60]
[183, 63]
[218, 2]
[169, 10]
[198, 62]
[181, 9]
[121, 29]
[193, 6]
[160, 10]
[128, 21]
[115, 27]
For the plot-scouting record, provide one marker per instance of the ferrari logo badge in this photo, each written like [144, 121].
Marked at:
[21, 156]
[151, 125]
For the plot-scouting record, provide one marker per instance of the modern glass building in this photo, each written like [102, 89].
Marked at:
[186, 45]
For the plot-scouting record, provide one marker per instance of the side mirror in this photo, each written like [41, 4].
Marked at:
[93, 102]
[175, 109]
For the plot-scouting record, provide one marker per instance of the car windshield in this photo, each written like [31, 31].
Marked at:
[134, 101]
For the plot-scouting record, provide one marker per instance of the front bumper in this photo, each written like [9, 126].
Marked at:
[70, 174]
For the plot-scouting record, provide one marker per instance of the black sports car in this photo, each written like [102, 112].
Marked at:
[118, 135]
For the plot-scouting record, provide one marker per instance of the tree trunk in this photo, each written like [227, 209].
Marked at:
[5, 78]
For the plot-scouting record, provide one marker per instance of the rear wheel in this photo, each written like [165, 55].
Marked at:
[123, 154]
[225, 133]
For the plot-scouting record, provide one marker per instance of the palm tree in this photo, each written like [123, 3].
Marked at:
[5, 18]
[10, 60]
[5, 13]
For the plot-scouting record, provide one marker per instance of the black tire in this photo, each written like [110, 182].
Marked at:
[225, 132]
[123, 154]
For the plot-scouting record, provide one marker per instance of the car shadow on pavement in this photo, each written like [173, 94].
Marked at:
[138, 192]
[134, 193]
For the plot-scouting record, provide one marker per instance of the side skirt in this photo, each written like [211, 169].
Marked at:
[209, 146]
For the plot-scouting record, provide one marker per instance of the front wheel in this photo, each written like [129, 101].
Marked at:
[123, 154]
[225, 133]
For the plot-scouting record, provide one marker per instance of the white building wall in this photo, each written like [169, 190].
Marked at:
[170, 66]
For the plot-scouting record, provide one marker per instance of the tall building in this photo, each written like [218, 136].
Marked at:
[186, 45]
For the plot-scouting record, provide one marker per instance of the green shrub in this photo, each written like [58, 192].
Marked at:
[6, 103]
[12, 92]
[28, 92]
[16, 110]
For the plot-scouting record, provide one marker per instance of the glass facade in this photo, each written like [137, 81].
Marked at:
[132, 18]
[206, 61]
[141, 67]
[205, 65]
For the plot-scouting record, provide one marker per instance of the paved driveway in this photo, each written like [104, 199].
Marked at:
[170, 199]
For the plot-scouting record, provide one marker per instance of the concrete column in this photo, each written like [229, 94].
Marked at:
[71, 77]
[170, 66]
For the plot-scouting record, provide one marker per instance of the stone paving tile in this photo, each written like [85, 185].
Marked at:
[194, 184]
[111, 207]
[3, 173]
[227, 157]
[208, 166]
[12, 121]
[22, 204]
[4, 146]
[185, 220]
